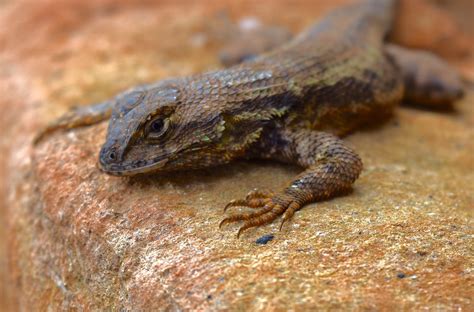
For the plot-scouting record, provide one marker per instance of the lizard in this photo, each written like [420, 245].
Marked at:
[291, 104]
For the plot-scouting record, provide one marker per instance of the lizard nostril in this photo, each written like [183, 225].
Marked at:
[108, 156]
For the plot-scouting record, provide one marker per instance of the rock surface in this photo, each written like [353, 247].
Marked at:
[78, 238]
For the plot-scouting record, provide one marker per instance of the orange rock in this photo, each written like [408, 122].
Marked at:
[76, 238]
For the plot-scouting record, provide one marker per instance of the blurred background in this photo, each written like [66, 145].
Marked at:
[79, 51]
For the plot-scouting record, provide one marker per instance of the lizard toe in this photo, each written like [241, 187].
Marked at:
[247, 202]
[263, 219]
[246, 216]
[292, 208]
[259, 194]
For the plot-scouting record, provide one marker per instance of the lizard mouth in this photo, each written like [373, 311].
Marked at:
[132, 168]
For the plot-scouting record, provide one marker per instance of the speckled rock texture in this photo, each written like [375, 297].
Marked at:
[75, 238]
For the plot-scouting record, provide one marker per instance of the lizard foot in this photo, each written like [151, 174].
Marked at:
[269, 208]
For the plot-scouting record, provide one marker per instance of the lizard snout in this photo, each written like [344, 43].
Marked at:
[108, 156]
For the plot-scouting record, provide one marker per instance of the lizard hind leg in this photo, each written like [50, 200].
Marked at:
[77, 117]
[429, 81]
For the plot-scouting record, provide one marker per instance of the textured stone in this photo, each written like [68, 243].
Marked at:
[80, 238]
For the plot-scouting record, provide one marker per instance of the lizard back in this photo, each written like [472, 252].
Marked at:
[335, 76]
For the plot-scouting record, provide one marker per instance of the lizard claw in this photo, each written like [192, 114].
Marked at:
[269, 208]
[235, 203]
[292, 208]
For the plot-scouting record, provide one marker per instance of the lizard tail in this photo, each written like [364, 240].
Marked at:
[369, 20]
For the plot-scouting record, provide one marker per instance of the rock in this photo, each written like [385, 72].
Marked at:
[78, 238]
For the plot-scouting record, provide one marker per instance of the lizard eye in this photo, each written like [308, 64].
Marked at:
[157, 127]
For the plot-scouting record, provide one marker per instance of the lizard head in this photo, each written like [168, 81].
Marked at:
[164, 127]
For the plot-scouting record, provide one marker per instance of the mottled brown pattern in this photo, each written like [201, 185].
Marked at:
[335, 77]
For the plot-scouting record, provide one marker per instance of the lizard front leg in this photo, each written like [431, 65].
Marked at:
[330, 168]
[78, 117]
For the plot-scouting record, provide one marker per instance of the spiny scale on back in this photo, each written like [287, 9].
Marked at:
[334, 77]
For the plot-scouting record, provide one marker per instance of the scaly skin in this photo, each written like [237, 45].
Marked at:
[283, 105]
